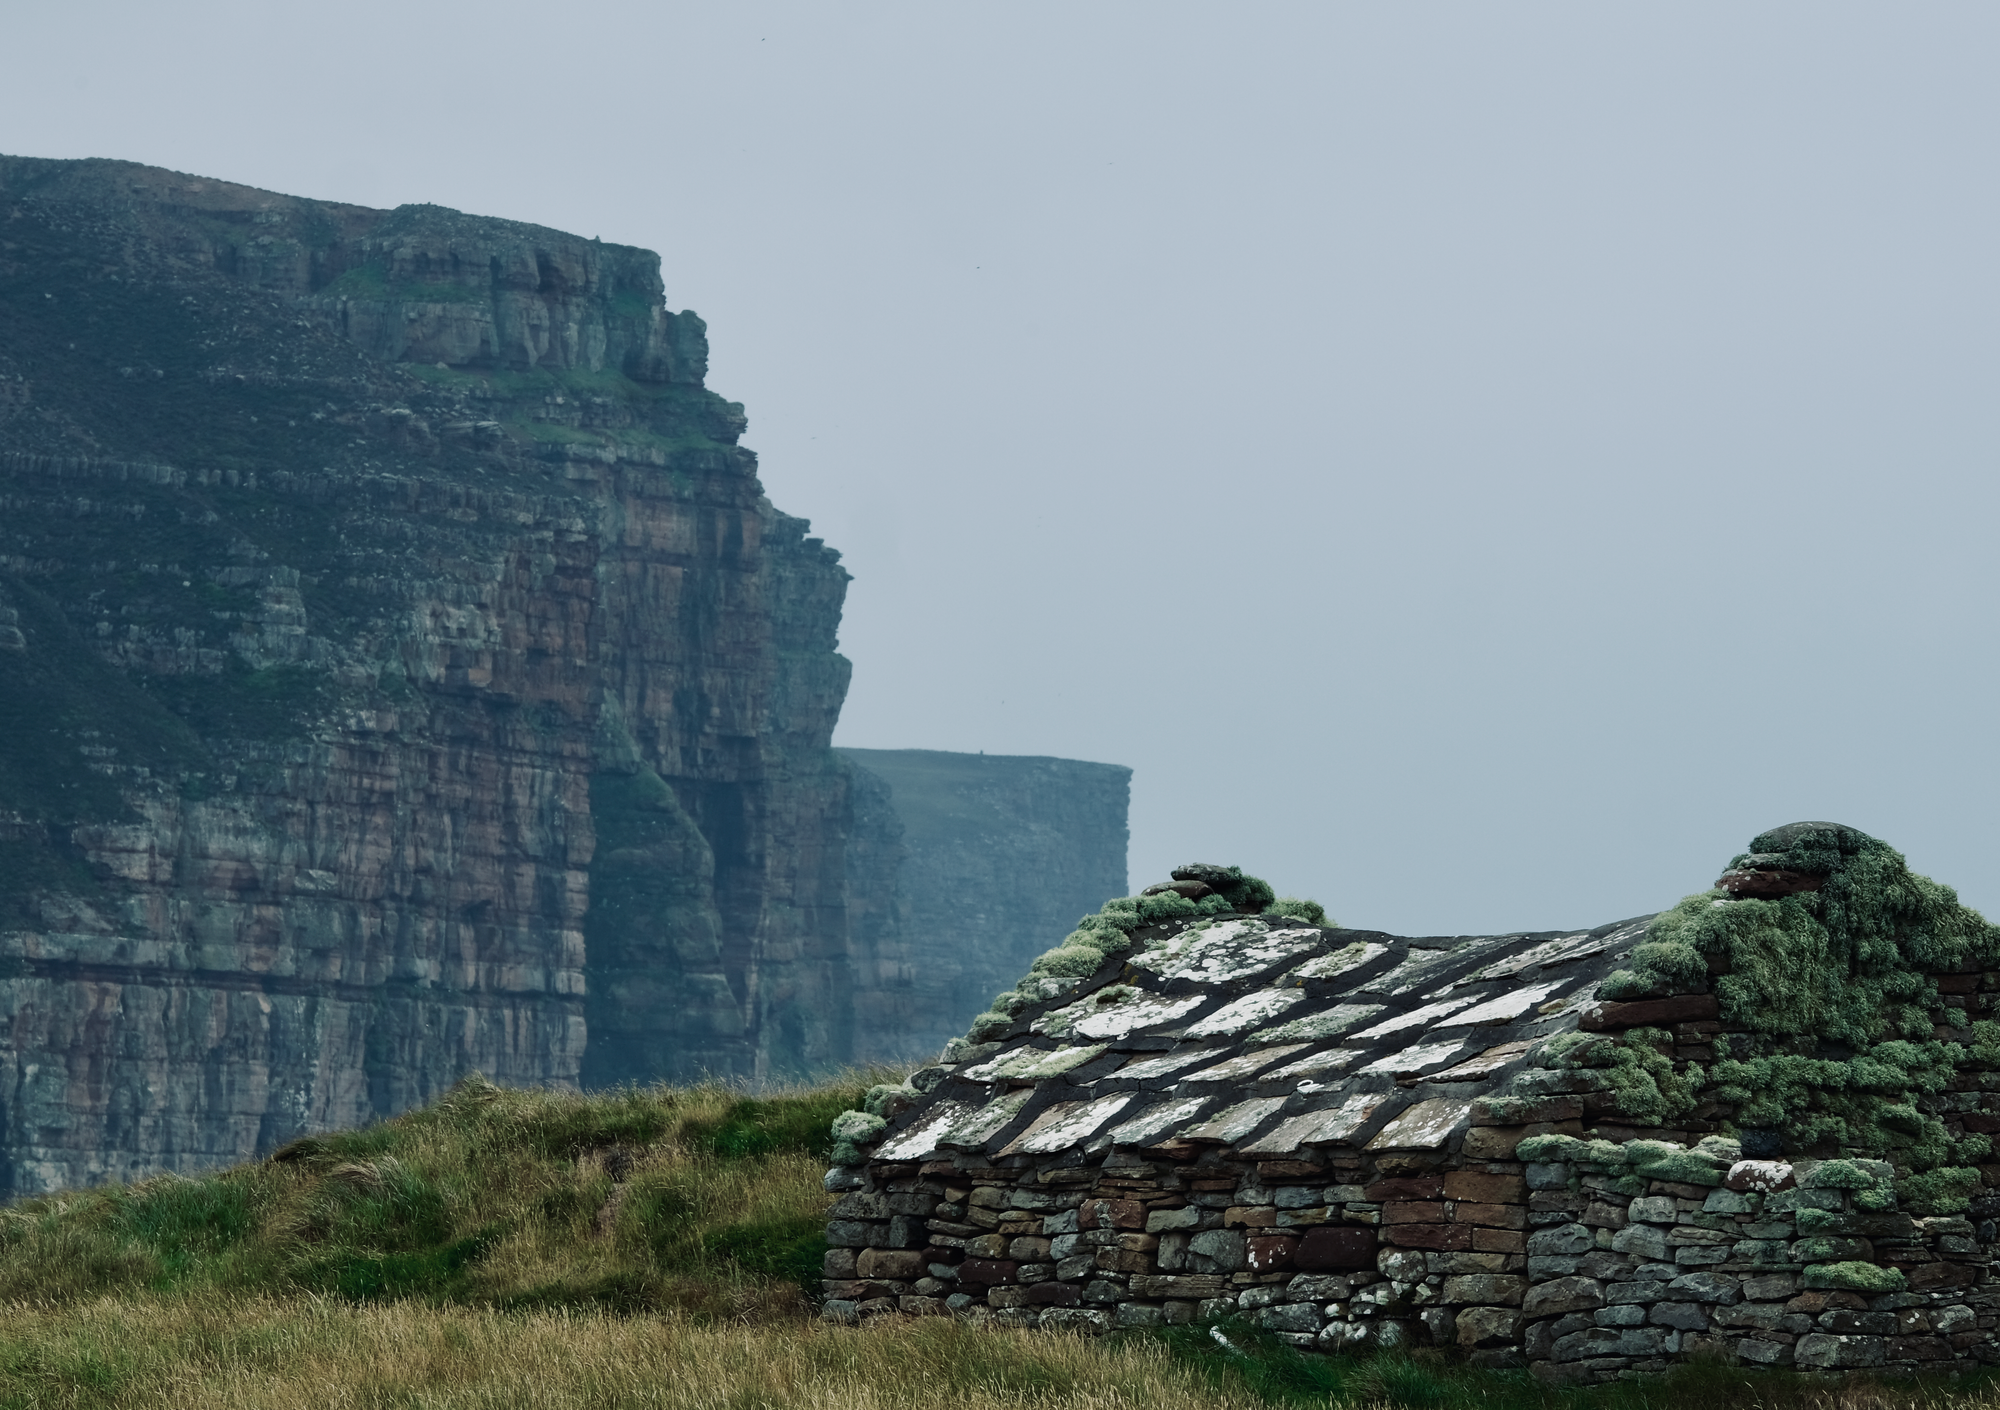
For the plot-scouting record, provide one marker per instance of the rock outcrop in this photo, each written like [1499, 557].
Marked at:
[990, 854]
[1756, 1127]
[401, 672]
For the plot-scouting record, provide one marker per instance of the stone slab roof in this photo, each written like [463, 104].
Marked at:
[1264, 1034]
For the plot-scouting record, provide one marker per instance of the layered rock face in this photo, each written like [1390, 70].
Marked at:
[1755, 1128]
[401, 672]
[998, 853]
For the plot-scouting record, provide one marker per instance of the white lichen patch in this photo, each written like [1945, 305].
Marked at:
[1236, 1122]
[1238, 1068]
[1423, 1127]
[1160, 1065]
[1341, 961]
[1505, 1008]
[1246, 1012]
[1156, 1122]
[1033, 1064]
[1558, 951]
[982, 1124]
[1423, 966]
[1066, 1124]
[1415, 1018]
[1328, 1024]
[920, 1141]
[1228, 952]
[1327, 1064]
[1129, 1015]
[1419, 1059]
[1317, 1127]
[1490, 1061]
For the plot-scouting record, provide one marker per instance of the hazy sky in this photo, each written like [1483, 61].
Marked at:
[1477, 463]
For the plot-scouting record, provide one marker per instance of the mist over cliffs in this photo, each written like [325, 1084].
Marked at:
[401, 672]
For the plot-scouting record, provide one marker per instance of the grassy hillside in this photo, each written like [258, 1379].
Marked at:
[645, 1248]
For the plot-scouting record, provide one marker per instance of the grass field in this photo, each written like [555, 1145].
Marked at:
[646, 1248]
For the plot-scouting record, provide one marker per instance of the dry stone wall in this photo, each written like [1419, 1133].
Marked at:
[1361, 1140]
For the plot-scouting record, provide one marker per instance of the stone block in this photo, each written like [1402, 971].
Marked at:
[1726, 1201]
[848, 1233]
[1484, 1187]
[839, 1309]
[912, 1305]
[1823, 1351]
[1187, 1285]
[1320, 1287]
[1629, 1314]
[1249, 1216]
[1217, 1251]
[1439, 1236]
[1561, 1240]
[1413, 1212]
[1599, 1342]
[1683, 1316]
[1499, 1240]
[1497, 1216]
[1076, 1319]
[1486, 1327]
[1759, 1352]
[1009, 1297]
[1159, 1221]
[1405, 1187]
[1137, 1314]
[1652, 1209]
[986, 1271]
[1124, 1260]
[860, 1206]
[1563, 1295]
[1706, 1287]
[1270, 1254]
[1498, 1289]
[891, 1263]
[1111, 1214]
[1029, 1248]
[1104, 1290]
[1636, 1290]
[1546, 1176]
[838, 1263]
[1769, 1287]
[1054, 1294]
[1641, 1241]
[1458, 1264]
[1290, 1317]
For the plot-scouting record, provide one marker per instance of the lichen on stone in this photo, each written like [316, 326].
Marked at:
[1649, 1089]
[1855, 1276]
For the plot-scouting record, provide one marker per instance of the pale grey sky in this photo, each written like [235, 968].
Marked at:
[1477, 463]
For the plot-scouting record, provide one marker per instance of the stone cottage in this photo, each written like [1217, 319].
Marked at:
[1755, 1126]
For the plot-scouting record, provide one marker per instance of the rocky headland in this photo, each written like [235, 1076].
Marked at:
[402, 672]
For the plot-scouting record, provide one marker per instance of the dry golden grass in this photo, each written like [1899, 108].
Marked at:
[279, 1354]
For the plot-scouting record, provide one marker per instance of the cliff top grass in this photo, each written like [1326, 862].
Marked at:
[646, 1247]
[698, 1200]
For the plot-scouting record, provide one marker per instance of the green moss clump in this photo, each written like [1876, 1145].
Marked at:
[1312, 912]
[1946, 1190]
[1856, 1277]
[1069, 962]
[851, 1130]
[1165, 905]
[1648, 1089]
[1848, 964]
